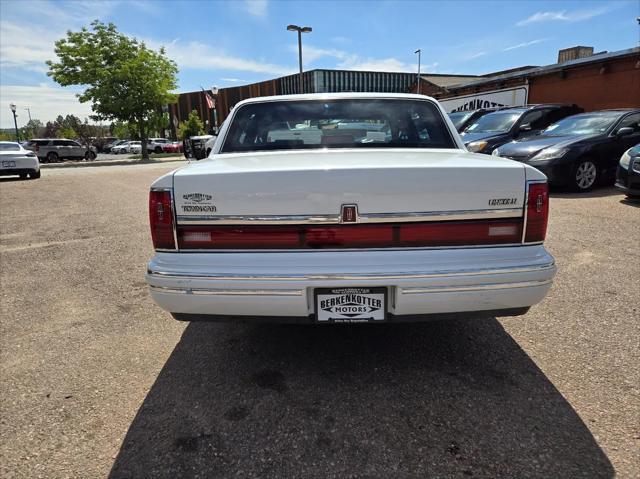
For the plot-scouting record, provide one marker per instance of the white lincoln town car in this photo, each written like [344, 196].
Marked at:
[347, 208]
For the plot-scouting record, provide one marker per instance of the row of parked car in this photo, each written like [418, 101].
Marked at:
[573, 148]
[154, 145]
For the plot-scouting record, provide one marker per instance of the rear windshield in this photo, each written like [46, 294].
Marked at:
[315, 124]
[9, 147]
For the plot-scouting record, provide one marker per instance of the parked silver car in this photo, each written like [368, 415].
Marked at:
[51, 150]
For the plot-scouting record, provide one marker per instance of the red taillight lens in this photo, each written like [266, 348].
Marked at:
[537, 212]
[454, 233]
[461, 233]
[161, 219]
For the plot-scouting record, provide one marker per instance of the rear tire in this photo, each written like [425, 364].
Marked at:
[584, 175]
[89, 156]
[157, 149]
[34, 175]
[52, 157]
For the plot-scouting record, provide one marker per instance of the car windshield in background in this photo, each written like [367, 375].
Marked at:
[497, 122]
[317, 124]
[9, 147]
[584, 124]
[459, 117]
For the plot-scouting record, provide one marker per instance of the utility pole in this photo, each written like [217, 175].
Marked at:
[29, 111]
[419, 52]
[300, 30]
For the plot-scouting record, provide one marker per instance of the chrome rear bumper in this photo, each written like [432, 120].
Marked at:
[420, 282]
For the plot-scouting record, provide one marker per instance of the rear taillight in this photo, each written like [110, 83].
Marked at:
[161, 219]
[537, 213]
[451, 233]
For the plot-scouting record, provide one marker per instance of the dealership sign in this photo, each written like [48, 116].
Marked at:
[508, 97]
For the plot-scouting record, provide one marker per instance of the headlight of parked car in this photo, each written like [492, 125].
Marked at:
[550, 154]
[626, 158]
[476, 146]
[496, 152]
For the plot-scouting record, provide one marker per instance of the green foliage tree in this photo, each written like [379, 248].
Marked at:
[125, 81]
[6, 136]
[67, 132]
[192, 127]
[33, 129]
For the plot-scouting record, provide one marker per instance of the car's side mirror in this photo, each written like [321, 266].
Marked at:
[525, 128]
[624, 131]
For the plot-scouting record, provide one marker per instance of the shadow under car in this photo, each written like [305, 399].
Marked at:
[441, 399]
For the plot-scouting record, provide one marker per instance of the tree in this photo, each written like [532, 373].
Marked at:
[67, 132]
[32, 129]
[192, 127]
[124, 130]
[51, 130]
[125, 81]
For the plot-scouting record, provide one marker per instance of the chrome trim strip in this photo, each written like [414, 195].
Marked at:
[362, 217]
[312, 250]
[475, 287]
[352, 276]
[228, 292]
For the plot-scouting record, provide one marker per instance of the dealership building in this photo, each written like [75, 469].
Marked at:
[593, 81]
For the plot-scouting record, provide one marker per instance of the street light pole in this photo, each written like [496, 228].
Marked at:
[419, 52]
[15, 121]
[300, 30]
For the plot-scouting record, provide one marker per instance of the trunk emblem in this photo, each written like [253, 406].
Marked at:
[349, 214]
[197, 197]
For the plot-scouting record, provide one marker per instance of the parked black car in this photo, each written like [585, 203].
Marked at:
[580, 151]
[628, 176]
[507, 124]
[462, 119]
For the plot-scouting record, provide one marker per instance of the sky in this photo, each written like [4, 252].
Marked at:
[229, 43]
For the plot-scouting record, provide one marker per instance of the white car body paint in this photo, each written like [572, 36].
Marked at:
[314, 184]
[17, 161]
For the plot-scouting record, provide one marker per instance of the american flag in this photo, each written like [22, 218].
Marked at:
[210, 101]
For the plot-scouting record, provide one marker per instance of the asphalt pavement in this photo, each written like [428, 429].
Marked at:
[98, 381]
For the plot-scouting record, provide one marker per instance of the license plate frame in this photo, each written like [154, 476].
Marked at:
[348, 317]
[8, 164]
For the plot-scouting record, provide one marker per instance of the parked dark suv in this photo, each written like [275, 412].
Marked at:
[495, 129]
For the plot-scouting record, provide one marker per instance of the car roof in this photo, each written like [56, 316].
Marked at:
[334, 96]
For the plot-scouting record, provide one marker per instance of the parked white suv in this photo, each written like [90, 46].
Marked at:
[51, 150]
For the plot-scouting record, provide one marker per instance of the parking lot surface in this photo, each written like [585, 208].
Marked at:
[98, 381]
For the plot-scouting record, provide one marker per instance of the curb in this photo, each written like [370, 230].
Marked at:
[85, 164]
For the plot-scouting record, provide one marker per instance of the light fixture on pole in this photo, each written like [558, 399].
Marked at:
[419, 52]
[300, 30]
[15, 121]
